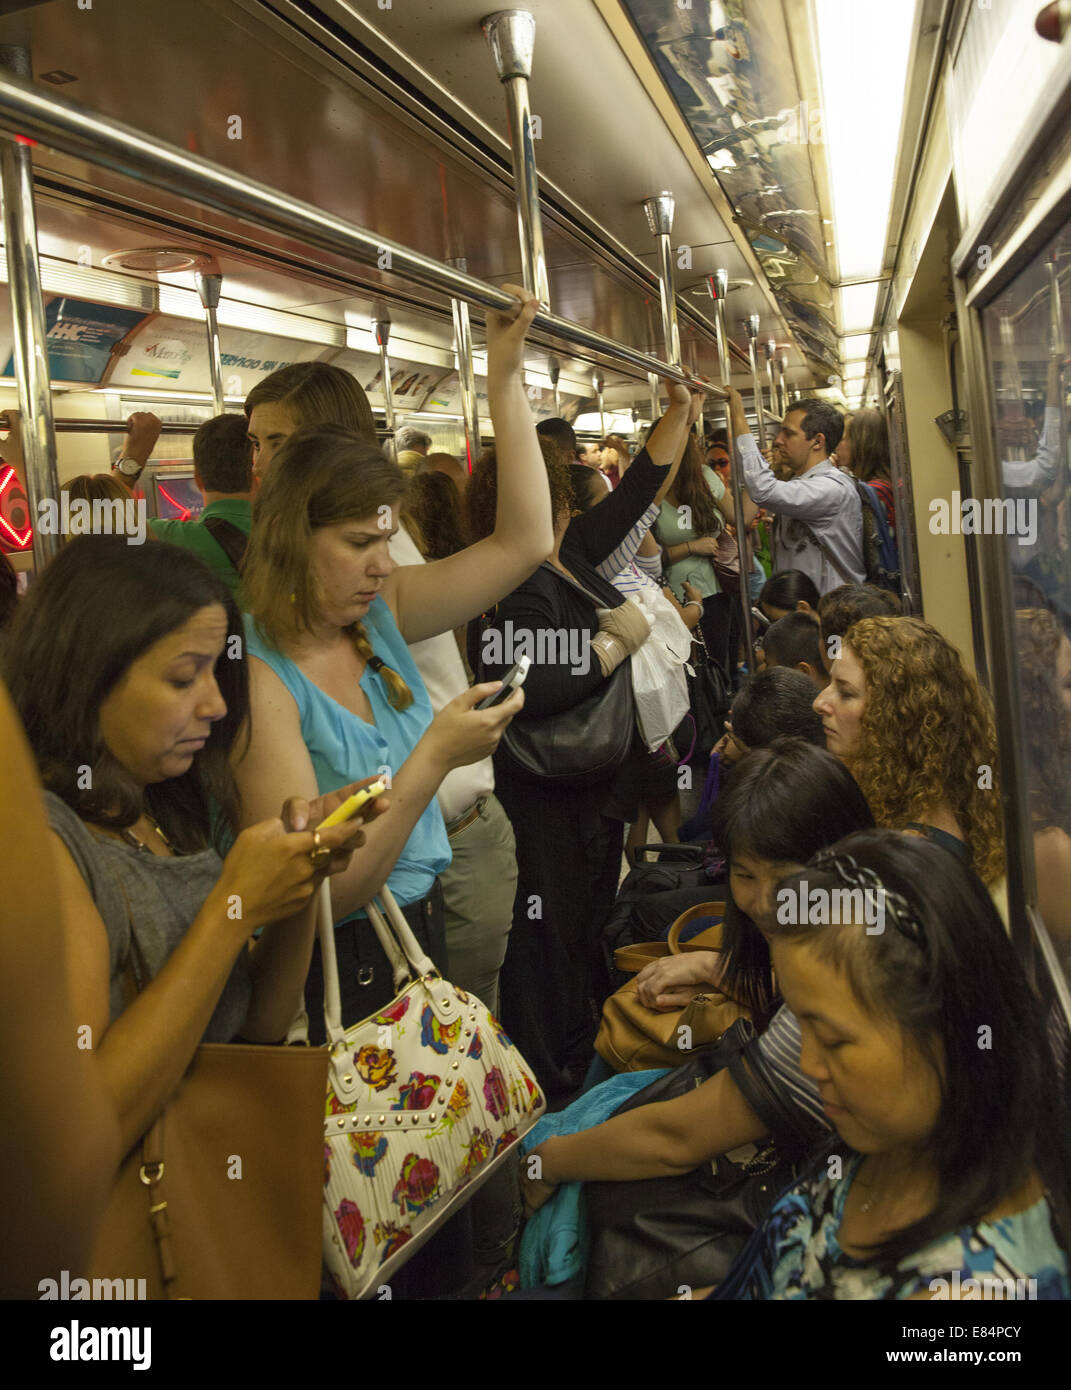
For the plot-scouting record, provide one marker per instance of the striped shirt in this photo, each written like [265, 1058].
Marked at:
[622, 566]
[779, 1048]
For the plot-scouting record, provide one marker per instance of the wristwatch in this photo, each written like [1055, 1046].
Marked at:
[130, 468]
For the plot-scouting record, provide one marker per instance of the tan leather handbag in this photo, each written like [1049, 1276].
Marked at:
[221, 1198]
[634, 1038]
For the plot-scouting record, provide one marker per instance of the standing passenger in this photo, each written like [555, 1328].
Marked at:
[819, 516]
[223, 472]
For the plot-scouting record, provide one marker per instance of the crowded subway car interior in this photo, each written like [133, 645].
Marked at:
[535, 628]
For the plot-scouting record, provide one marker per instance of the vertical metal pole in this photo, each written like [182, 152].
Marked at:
[752, 326]
[656, 400]
[720, 285]
[554, 371]
[782, 385]
[465, 374]
[1056, 352]
[36, 427]
[770, 349]
[659, 210]
[208, 290]
[381, 328]
[511, 35]
[599, 384]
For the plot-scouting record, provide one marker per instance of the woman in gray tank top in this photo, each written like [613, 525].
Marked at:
[126, 666]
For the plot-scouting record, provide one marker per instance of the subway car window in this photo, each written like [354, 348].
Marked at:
[1028, 328]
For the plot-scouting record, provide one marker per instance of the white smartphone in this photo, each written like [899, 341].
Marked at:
[514, 680]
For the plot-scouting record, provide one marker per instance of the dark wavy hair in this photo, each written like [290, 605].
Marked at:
[849, 603]
[1000, 1118]
[783, 803]
[96, 608]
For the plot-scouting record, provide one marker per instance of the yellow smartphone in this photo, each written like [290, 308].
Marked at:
[352, 805]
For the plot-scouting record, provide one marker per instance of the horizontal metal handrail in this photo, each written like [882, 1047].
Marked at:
[74, 130]
[73, 426]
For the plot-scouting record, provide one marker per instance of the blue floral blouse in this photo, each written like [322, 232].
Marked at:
[796, 1255]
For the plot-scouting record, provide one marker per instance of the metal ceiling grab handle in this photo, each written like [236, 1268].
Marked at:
[599, 387]
[381, 330]
[782, 384]
[208, 291]
[554, 371]
[751, 326]
[660, 210]
[511, 36]
[770, 349]
[720, 286]
[656, 398]
[37, 433]
[466, 376]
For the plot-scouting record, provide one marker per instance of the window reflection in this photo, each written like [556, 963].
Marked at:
[1028, 330]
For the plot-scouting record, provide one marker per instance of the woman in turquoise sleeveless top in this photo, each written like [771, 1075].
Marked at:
[336, 696]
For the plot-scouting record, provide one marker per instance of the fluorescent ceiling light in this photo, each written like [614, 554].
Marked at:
[857, 305]
[863, 51]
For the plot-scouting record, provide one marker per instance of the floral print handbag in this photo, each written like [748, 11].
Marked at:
[424, 1100]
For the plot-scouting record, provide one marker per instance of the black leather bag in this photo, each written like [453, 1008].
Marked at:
[585, 744]
[710, 698]
[648, 1238]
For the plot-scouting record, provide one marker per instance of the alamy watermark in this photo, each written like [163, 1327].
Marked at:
[985, 516]
[832, 907]
[549, 646]
[104, 516]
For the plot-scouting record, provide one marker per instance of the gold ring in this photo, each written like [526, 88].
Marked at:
[321, 854]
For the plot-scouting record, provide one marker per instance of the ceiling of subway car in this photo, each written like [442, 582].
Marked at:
[394, 119]
[732, 68]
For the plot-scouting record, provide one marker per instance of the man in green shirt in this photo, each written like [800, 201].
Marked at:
[223, 470]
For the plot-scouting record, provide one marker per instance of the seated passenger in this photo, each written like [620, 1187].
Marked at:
[132, 721]
[568, 843]
[841, 607]
[785, 802]
[336, 691]
[794, 641]
[223, 472]
[775, 703]
[928, 1047]
[916, 732]
[788, 591]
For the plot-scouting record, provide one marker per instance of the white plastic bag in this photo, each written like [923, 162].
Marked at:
[659, 684]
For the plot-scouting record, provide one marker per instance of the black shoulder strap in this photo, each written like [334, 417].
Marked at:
[231, 539]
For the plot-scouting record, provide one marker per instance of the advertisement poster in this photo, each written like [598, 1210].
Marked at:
[173, 353]
[81, 337]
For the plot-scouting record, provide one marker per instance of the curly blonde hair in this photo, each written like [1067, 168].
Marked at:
[925, 732]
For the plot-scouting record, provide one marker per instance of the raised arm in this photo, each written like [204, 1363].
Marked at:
[434, 598]
[603, 529]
